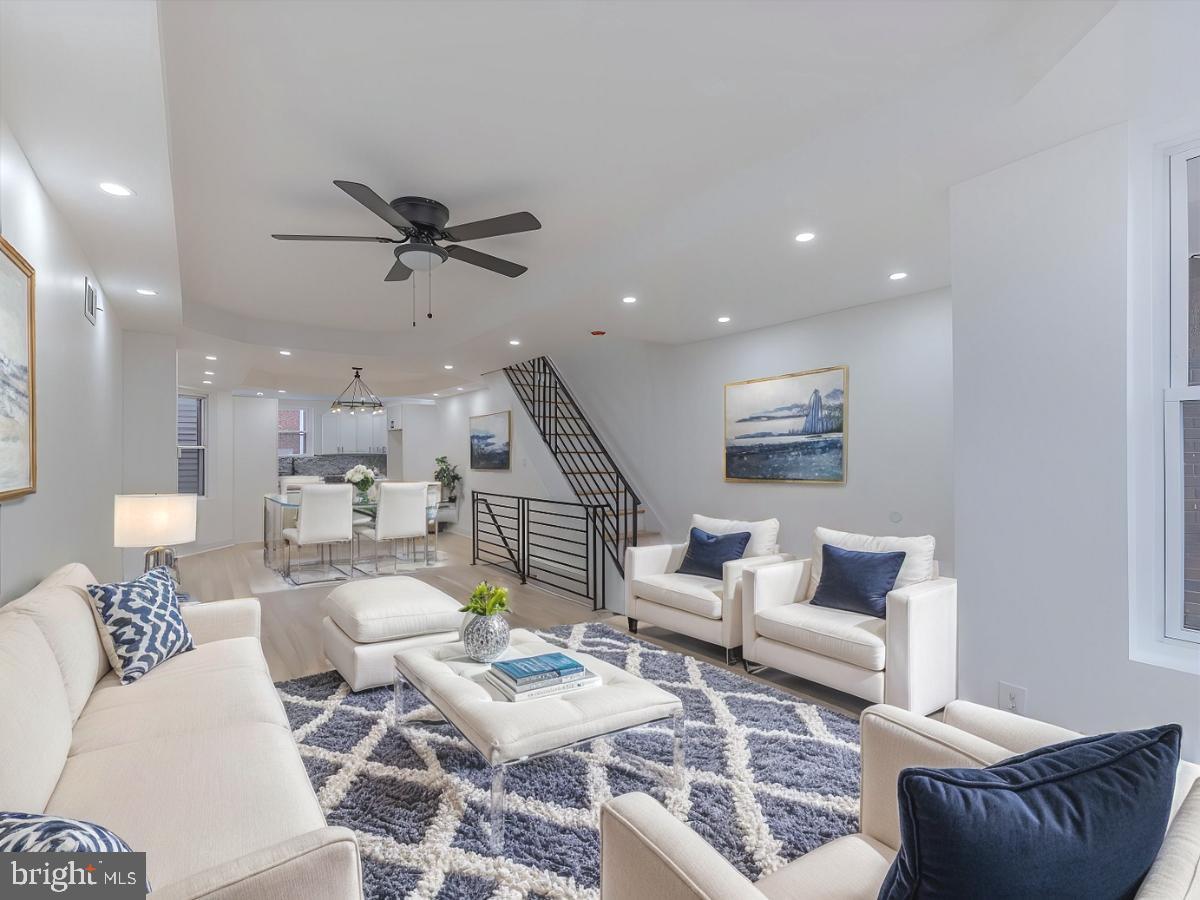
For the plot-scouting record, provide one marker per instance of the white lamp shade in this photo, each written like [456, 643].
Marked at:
[154, 520]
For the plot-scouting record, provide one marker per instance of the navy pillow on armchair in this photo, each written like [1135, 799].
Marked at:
[708, 553]
[1083, 819]
[856, 580]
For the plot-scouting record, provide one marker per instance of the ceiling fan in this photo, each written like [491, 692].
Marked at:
[421, 223]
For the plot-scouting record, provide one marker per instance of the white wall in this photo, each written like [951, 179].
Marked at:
[241, 468]
[79, 397]
[148, 449]
[661, 409]
[1041, 309]
[255, 471]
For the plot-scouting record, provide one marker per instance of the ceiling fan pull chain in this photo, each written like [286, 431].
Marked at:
[429, 315]
[414, 287]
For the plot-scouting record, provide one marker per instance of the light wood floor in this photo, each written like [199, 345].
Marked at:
[291, 616]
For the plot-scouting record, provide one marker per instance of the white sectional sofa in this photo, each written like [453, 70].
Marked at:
[194, 763]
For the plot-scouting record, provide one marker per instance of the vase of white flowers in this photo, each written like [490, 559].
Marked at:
[362, 478]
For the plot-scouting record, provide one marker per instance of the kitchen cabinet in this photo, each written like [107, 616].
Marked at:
[395, 417]
[358, 433]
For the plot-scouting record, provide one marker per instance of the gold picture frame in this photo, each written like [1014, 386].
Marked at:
[788, 429]
[18, 394]
[484, 457]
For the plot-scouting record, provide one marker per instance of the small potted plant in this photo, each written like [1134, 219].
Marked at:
[484, 631]
[447, 475]
[362, 478]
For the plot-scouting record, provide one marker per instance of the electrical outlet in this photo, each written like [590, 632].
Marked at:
[1011, 698]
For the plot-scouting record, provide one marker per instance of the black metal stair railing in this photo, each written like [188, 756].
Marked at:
[589, 468]
[556, 543]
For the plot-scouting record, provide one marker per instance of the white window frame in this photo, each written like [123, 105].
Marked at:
[303, 431]
[1177, 392]
[202, 447]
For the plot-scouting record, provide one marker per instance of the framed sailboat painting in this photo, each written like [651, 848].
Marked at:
[788, 428]
[18, 413]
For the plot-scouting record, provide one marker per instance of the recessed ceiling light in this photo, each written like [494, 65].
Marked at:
[211, 358]
[259, 394]
[117, 190]
[447, 366]
[805, 236]
[210, 373]
[722, 319]
[435, 395]
[285, 352]
[206, 382]
[515, 342]
[281, 391]
[896, 276]
[629, 299]
[146, 292]
[458, 389]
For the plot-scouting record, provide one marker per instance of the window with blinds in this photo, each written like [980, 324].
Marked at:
[1182, 403]
[190, 450]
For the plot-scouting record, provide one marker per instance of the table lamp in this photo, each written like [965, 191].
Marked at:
[157, 521]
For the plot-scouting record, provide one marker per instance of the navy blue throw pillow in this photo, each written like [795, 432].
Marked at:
[1083, 819]
[857, 581]
[707, 553]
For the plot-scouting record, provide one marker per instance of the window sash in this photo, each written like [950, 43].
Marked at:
[190, 432]
[1178, 392]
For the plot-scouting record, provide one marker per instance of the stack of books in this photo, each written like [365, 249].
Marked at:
[545, 675]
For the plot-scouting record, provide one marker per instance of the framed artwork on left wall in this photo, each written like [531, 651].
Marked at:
[18, 409]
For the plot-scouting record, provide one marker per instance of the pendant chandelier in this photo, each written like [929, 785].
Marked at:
[357, 397]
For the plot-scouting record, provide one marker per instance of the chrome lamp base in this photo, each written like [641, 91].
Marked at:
[163, 556]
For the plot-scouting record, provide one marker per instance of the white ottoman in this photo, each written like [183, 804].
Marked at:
[368, 622]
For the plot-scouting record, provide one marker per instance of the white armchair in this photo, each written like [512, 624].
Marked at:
[908, 659]
[646, 852]
[708, 609]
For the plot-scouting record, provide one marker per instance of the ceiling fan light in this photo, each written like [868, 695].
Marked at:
[421, 257]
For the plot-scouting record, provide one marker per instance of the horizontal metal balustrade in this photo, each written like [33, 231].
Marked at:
[555, 543]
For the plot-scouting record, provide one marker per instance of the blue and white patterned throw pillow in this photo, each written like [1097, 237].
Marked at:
[140, 624]
[30, 833]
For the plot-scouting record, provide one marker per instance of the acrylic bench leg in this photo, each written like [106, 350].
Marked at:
[678, 762]
[497, 812]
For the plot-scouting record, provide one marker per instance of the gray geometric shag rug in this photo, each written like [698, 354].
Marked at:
[769, 778]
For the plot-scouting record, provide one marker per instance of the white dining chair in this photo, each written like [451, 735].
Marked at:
[289, 488]
[325, 519]
[400, 516]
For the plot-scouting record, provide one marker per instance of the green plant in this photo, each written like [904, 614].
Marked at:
[487, 600]
[446, 474]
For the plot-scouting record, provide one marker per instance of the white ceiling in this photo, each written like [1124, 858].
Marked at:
[81, 89]
[670, 150]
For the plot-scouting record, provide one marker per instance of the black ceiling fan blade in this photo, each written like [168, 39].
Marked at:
[375, 204]
[333, 237]
[398, 272]
[486, 261]
[513, 223]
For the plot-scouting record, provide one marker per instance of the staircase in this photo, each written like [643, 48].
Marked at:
[589, 468]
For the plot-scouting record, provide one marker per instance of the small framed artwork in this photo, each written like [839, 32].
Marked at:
[89, 301]
[491, 446]
[788, 428]
[18, 407]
